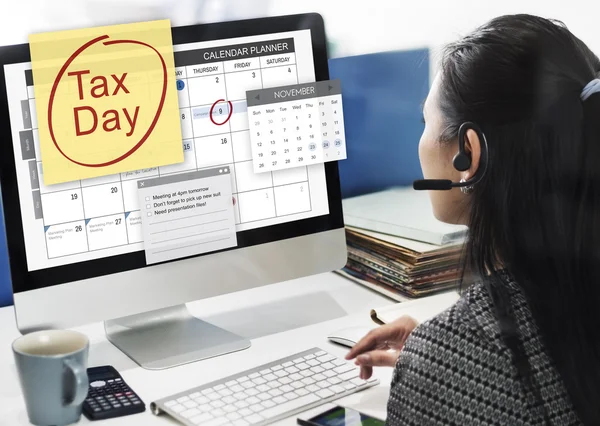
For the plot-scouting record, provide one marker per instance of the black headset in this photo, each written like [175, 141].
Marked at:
[461, 162]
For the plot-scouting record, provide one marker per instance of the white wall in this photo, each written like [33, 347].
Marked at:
[355, 26]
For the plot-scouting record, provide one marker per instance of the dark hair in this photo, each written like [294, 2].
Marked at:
[537, 209]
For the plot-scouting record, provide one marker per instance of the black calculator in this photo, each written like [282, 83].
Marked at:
[109, 396]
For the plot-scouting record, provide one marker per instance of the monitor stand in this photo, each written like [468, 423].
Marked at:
[170, 337]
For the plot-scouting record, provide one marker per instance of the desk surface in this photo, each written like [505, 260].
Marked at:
[280, 319]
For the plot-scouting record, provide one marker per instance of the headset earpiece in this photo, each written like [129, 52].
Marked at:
[462, 160]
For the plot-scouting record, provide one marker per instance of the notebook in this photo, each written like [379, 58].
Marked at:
[401, 212]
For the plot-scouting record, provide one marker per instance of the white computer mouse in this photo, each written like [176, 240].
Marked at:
[349, 336]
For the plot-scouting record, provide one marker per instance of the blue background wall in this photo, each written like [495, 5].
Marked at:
[382, 95]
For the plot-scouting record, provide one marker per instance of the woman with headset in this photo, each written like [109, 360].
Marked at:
[513, 123]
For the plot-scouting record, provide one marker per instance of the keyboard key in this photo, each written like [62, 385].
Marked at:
[254, 375]
[245, 412]
[301, 391]
[319, 377]
[230, 383]
[276, 368]
[233, 416]
[308, 381]
[240, 423]
[218, 413]
[252, 392]
[323, 384]
[254, 418]
[297, 385]
[275, 384]
[337, 389]
[259, 381]
[306, 373]
[344, 368]
[291, 395]
[213, 396]
[253, 400]
[263, 396]
[248, 384]
[338, 362]
[243, 379]
[287, 364]
[311, 356]
[201, 418]
[207, 391]
[263, 388]
[317, 369]
[219, 387]
[291, 370]
[270, 377]
[350, 374]
[296, 376]
[325, 393]
[202, 400]
[321, 353]
[348, 385]
[257, 408]
[241, 404]
[205, 408]
[225, 392]
[169, 404]
[334, 380]
[180, 400]
[240, 396]
[312, 362]
[302, 366]
[285, 380]
[279, 399]
[216, 422]
[281, 373]
[177, 408]
[298, 360]
[286, 388]
[325, 358]
[229, 400]
[188, 414]
[229, 409]
[265, 371]
[217, 404]
[275, 392]
[329, 373]
[285, 407]
[268, 403]
[328, 366]
[313, 388]
[190, 404]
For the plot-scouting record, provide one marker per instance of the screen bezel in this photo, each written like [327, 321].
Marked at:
[24, 280]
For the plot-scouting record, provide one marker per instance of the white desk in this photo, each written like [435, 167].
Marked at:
[280, 319]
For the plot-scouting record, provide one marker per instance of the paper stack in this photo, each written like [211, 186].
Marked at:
[389, 257]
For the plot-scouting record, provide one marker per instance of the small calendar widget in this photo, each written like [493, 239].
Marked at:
[298, 125]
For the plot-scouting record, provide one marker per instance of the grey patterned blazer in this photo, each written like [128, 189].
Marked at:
[455, 370]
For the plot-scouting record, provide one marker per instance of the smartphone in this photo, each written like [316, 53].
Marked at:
[341, 416]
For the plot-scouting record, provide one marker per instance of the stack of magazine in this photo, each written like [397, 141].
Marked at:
[397, 247]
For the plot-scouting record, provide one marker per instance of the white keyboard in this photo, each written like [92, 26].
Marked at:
[267, 393]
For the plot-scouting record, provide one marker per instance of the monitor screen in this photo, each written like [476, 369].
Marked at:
[92, 227]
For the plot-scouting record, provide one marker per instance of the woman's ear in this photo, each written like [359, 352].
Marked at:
[473, 148]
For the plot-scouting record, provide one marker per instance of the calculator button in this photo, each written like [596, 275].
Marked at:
[137, 402]
[98, 384]
[97, 410]
[117, 405]
[126, 404]
[118, 380]
[111, 381]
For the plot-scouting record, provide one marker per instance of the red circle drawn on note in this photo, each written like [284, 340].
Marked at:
[212, 108]
[60, 76]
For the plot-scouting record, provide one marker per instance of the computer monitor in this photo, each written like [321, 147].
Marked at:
[76, 251]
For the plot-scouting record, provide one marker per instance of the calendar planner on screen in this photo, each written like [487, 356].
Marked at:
[102, 217]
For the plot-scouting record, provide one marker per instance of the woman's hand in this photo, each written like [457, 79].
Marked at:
[381, 346]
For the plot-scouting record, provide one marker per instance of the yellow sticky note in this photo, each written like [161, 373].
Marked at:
[106, 100]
